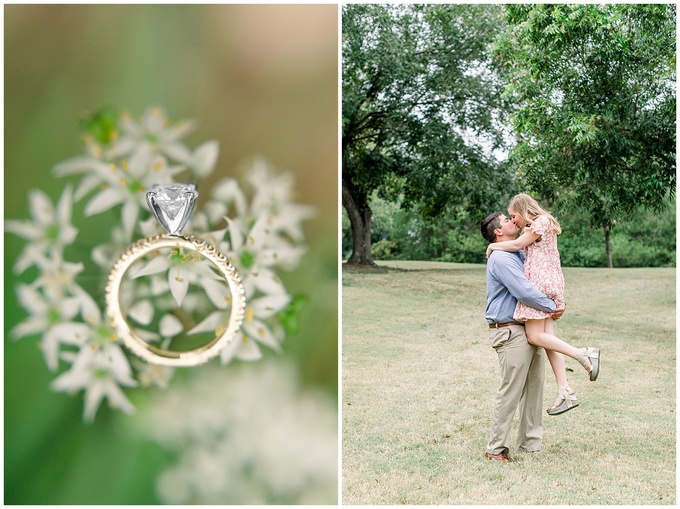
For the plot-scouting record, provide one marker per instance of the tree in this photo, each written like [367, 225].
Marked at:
[421, 110]
[595, 90]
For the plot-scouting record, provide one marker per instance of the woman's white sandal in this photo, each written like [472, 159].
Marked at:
[592, 355]
[569, 401]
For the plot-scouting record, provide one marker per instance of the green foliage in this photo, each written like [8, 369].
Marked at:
[290, 317]
[422, 110]
[592, 91]
[594, 86]
[102, 126]
[645, 239]
[416, 91]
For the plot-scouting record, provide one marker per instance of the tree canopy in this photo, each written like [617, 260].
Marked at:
[594, 86]
[421, 110]
[589, 90]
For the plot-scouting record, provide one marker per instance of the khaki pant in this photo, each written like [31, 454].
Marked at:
[522, 379]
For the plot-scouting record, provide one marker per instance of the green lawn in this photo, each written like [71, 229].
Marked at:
[419, 376]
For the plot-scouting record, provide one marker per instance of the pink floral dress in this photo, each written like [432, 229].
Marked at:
[543, 268]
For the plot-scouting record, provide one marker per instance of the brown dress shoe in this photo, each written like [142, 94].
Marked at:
[502, 457]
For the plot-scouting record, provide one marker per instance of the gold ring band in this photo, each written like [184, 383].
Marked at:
[151, 353]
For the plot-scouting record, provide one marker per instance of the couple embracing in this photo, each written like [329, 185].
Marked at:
[524, 295]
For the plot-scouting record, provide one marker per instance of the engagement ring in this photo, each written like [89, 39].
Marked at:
[172, 206]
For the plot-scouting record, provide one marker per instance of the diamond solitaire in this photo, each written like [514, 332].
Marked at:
[172, 205]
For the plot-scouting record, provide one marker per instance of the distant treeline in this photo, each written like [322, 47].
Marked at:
[645, 239]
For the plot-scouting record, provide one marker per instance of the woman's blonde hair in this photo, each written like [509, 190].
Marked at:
[529, 209]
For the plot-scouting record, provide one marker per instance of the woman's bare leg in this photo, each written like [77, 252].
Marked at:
[558, 366]
[536, 335]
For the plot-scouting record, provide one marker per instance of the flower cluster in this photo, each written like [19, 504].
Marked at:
[123, 158]
[245, 436]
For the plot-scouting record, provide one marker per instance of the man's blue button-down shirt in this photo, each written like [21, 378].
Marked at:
[506, 284]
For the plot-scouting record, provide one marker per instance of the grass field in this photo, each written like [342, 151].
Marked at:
[419, 377]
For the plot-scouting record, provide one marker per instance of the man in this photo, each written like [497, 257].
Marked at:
[521, 364]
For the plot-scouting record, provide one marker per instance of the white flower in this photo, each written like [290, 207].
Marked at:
[105, 255]
[57, 277]
[152, 374]
[96, 173]
[272, 195]
[259, 310]
[184, 269]
[225, 194]
[248, 253]
[44, 315]
[120, 184]
[153, 132]
[49, 230]
[271, 190]
[99, 367]
[247, 435]
[241, 347]
[203, 159]
[99, 370]
[127, 185]
[254, 329]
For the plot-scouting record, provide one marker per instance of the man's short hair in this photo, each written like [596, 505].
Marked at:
[489, 224]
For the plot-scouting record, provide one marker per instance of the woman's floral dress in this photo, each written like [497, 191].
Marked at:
[542, 267]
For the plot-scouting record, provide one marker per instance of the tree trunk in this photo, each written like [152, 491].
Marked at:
[360, 217]
[608, 246]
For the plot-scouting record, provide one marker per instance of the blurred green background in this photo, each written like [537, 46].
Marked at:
[261, 79]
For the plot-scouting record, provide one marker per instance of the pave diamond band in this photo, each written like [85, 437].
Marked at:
[172, 205]
[151, 353]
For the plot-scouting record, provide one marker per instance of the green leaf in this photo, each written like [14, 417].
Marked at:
[290, 316]
[102, 126]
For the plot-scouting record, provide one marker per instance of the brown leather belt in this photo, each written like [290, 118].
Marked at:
[499, 325]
